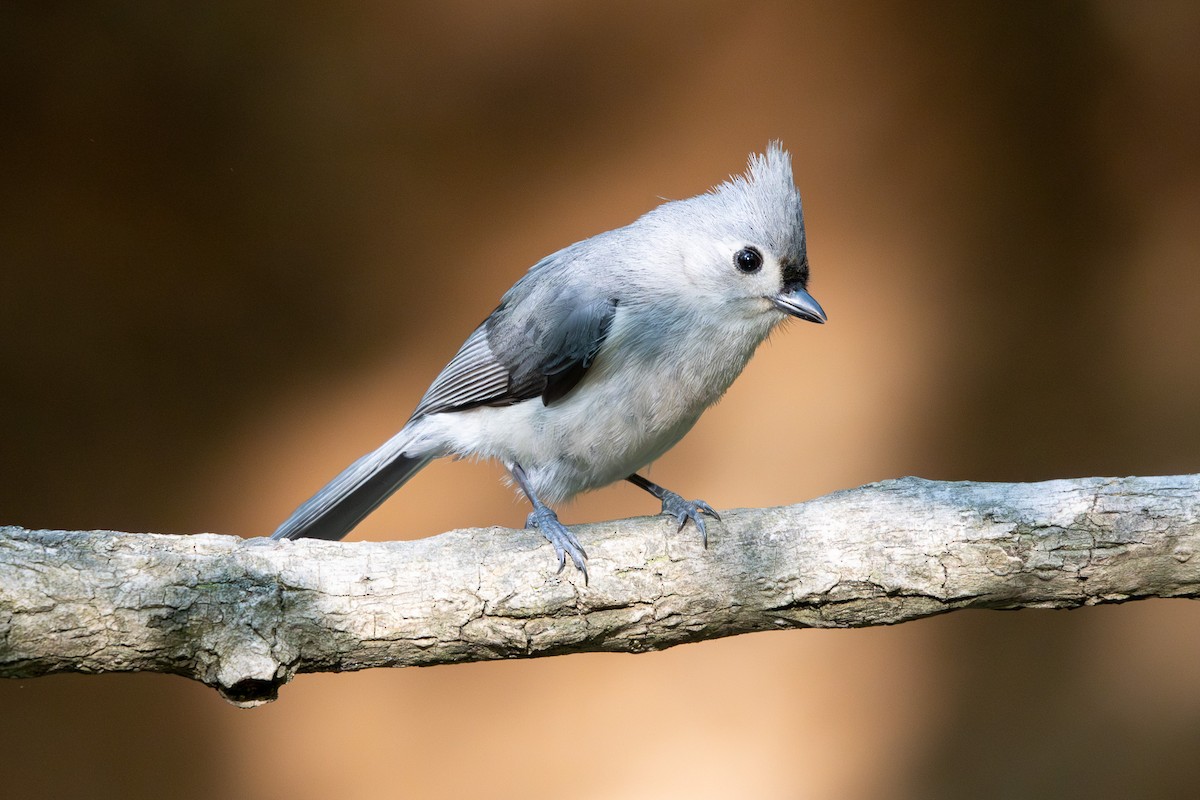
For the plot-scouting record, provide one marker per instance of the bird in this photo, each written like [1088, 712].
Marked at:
[603, 356]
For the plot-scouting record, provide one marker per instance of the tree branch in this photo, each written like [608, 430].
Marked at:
[245, 615]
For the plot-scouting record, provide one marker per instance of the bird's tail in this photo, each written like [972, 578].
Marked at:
[332, 512]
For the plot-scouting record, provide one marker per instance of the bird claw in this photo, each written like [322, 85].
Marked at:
[565, 543]
[683, 510]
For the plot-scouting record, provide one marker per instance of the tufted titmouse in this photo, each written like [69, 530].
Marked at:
[602, 357]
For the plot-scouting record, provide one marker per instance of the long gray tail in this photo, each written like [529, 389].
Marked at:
[357, 491]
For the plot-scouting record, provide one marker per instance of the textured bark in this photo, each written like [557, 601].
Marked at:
[245, 615]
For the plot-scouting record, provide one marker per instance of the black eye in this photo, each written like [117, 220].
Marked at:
[748, 259]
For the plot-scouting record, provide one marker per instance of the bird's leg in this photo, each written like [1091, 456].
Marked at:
[682, 510]
[545, 520]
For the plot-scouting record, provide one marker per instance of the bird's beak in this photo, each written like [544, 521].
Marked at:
[795, 301]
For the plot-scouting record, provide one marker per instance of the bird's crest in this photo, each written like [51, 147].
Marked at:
[763, 203]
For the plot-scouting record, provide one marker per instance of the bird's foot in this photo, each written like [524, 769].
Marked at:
[565, 543]
[683, 510]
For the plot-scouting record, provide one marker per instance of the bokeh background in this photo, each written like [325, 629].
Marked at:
[238, 240]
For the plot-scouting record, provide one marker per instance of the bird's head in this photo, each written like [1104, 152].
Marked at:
[742, 243]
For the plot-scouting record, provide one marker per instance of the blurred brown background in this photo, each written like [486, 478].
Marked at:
[238, 241]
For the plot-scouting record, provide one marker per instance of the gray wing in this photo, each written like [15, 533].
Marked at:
[473, 377]
[543, 349]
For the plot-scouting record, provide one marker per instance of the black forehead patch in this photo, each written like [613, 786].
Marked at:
[795, 272]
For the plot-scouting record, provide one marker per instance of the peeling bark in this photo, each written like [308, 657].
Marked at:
[245, 615]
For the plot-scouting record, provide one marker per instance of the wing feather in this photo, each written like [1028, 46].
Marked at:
[509, 358]
[472, 378]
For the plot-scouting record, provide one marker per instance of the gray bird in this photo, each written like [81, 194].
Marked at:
[602, 357]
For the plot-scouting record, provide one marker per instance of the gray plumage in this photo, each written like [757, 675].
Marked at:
[602, 356]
